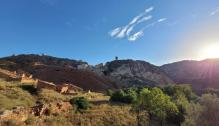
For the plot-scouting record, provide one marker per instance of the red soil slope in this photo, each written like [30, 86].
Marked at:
[82, 78]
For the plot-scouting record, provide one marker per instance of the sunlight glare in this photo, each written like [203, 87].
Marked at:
[210, 51]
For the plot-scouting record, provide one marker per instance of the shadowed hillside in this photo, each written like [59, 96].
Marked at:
[201, 74]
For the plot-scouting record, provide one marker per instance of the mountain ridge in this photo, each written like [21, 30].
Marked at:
[117, 73]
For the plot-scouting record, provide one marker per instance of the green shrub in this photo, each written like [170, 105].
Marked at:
[156, 103]
[124, 96]
[80, 103]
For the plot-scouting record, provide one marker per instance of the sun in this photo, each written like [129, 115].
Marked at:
[210, 51]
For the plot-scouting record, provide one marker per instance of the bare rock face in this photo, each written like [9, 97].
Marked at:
[134, 73]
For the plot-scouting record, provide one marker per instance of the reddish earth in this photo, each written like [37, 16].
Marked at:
[82, 78]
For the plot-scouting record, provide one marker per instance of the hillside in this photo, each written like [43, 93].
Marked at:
[134, 73]
[201, 74]
[17, 108]
[26, 62]
[57, 70]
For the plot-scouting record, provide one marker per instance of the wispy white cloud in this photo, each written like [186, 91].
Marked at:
[154, 23]
[135, 19]
[127, 30]
[144, 19]
[124, 31]
[214, 12]
[161, 19]
[149, 9]
[136, 36]
[114, 31]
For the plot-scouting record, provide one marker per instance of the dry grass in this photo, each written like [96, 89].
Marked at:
[98, 115]
[93, 96]
[47, 96]
[12, 95]
[104, 115]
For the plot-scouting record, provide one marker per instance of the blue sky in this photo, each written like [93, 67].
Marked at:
[158, 31]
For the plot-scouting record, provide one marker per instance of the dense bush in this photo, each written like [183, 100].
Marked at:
[80, 103]
[124, 96]
[156, 103]
[181, 95]
[185, 90]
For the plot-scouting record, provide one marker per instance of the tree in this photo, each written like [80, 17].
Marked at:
[192, 114]
[184, 89]
[156, 103]
[182, 104]
[203, 113]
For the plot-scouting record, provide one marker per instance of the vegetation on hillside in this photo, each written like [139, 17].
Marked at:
[11, 95]
[172, 105]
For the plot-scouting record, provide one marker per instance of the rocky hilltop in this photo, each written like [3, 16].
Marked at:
[133, 73]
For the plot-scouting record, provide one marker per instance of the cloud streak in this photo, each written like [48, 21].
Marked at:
[214, 12]
[127, 30]
[136, 36]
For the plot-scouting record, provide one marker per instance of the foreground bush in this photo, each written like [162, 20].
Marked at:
[80, 103]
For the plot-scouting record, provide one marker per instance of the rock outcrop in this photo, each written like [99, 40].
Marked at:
[133, 73]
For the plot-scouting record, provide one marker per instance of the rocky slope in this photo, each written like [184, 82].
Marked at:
[201, 74]
[133, 73]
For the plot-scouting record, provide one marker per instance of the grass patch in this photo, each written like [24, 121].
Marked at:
[51, 95]
[11, 95]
